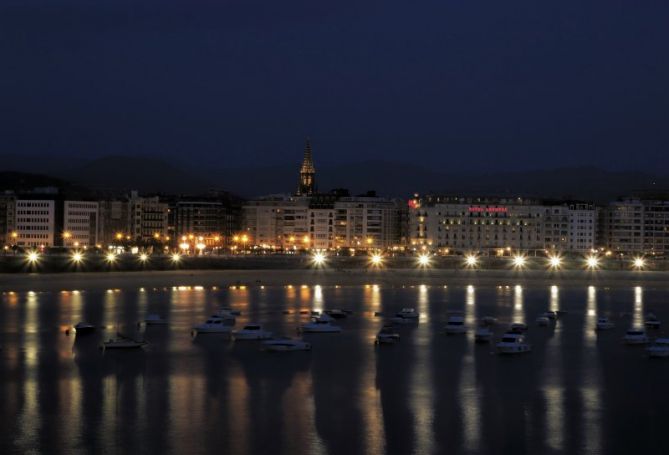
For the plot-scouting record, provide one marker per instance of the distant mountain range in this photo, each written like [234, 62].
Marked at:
[387, 178]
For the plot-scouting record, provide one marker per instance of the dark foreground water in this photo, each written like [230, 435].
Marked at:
[576, 392]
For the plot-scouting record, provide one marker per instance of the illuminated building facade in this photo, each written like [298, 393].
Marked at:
[80, 223]
[307, 184]
[500, 225]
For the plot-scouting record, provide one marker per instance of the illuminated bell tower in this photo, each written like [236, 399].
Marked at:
[307, 185]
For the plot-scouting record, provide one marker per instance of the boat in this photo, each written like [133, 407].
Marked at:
[552, 315]
[154, 319]
[82, 328]
[224, 314]
[455, 325]
[122, 342]
[214, 324]
[660, 348]
[320, 325]
[635, 336]
[230, 311]
[387, 335]
[252, 332]
[489, 320]
[512, 343]
[604, 324]
[483, 334]
[543, 321]
[652, 322]
[336, 313]
[286, 344]
[408, 313]
[518, 327]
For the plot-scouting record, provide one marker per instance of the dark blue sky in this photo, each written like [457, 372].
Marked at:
[465, 84]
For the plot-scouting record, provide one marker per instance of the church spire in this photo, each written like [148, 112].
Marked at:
[307, 185]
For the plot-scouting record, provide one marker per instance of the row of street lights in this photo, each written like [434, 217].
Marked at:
[471, 261]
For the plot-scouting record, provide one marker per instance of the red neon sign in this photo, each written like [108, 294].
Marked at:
[477, 209]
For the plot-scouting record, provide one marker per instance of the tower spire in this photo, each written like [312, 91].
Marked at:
[307, 185]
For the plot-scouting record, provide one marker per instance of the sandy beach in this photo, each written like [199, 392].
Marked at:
[327, 277]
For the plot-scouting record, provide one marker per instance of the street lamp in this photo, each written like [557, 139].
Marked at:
[639, 263]
[519, 261]
[376, 260]
[424, 260]
[471, 260]
[555, 262]
[592, 262]
[318, 259]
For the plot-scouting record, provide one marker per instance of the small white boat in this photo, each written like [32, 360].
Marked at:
[543, 321]
[660, 348]
[121, 342]
[286, 344]
[252, 332]
[215, 324]
[552, 315]
[154, 319]
[483, 335]
[387, 335]
[489, 320]
[455, 325]
[652, 322]
[512, 343]
[604, 324]
[320, 325]
[635, 336]
[519, 327]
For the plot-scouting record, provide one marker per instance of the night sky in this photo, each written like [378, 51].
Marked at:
[461, 84]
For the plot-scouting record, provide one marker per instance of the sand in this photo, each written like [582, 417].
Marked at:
[327, 277]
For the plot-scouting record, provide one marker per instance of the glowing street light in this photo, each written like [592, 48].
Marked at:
[471, 260]
[519, 261]
[376, 259]
[77, 257]
[111, 257]
[318, 258]
[424, 260]
[32, 257]
[555, 262]
[176, 257]
[592, 262]
[639, 263]
[143, 257]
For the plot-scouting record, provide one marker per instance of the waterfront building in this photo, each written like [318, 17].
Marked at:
[636, 225]
[500, 225]
[114, 221]
[7, 219]
[148, 219]
[55, 222]
[321, 220]
[80, 223]
[210, 219]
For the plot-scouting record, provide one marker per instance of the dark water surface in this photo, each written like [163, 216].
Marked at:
[576, 392]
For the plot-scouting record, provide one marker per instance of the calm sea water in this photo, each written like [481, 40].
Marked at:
[576, 392]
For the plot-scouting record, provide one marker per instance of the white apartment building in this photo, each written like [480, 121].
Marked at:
[35, 223]
[499, 225]
[322, 222]
[80, 223]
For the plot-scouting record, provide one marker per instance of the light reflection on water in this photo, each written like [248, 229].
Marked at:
[429, 393]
